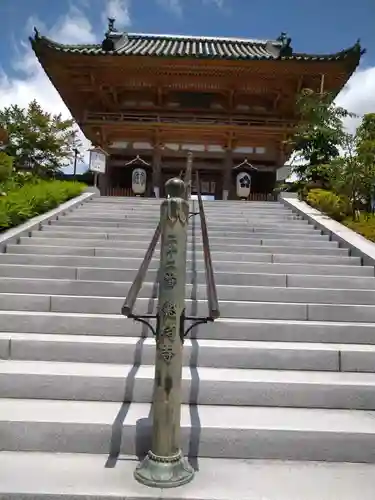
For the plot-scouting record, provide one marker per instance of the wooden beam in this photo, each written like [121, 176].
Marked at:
[276, 100]
[300, 83]
[322, 83]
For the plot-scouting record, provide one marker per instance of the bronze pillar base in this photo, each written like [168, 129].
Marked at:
[164, 472]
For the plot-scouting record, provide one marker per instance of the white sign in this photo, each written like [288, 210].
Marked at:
[97, 162]
[283, 173]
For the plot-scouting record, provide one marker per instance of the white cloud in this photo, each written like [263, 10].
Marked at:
[172, 5]
[177, 6]
[119, 10]
[29, 80]
[219, 3]
[358, 96]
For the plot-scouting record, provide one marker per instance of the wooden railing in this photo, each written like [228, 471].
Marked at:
[183, 118]
[117, 191]
[127, 192]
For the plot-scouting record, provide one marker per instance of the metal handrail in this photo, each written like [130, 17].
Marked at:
[128, 307]
[187, 178]
[213, 303]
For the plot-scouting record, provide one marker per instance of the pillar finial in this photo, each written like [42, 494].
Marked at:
[175, 188]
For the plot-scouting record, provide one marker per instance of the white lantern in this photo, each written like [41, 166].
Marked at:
[139, 177]
[243, 185]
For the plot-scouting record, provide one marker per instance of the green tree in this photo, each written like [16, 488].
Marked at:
[345, 173]
[37, 140]
[353, 172]
[365, 142]
[320, 135]
[6, 166]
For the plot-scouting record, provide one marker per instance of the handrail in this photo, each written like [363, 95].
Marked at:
[187, 178]
[127, 308]
[213, 303]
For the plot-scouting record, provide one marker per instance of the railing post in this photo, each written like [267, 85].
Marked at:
[164, 465]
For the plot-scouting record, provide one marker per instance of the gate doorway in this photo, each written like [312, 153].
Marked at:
[208, 185]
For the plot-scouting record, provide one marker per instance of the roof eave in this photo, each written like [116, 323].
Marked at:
[352, 54]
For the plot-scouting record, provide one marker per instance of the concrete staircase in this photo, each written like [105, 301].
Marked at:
[287, 373]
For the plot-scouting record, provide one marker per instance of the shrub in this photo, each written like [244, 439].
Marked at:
[365, 225]
[331, 204]
[6, 167]
[34, 199]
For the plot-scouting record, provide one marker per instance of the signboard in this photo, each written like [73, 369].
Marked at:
[97, 161]
[283, 173]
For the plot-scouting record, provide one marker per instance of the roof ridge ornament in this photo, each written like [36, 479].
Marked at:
[111, 25]
[286, 49]
[114, 39]
[358, 47]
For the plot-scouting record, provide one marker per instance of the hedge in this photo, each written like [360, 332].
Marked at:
[365, 226]
[19, 205]
[331, 204]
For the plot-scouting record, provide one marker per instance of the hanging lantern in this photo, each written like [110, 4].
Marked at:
[139, 178]
[243, 185]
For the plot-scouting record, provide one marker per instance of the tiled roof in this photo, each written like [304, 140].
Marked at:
[131, 44]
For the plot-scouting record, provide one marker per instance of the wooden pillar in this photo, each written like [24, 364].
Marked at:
[227, 171]
[156, 170]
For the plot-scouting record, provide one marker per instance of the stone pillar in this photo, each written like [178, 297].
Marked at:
[227, 171]
[164, 465]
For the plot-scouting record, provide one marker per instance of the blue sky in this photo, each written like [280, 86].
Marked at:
[321, 26]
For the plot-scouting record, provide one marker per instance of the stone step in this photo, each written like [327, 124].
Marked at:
[203, 385]
[229, 309]
[24, 248]
[261, 355]
[236, 232]
[129, 208]
[219, 266]
[227, 292]
[212, 228]
[42, 476]
[232, 432]
[221, 278]
[312, 249]
[212, 221]
[147, 232]
[223, 329]
[276, 207]
[251, 239]
[153, 214]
